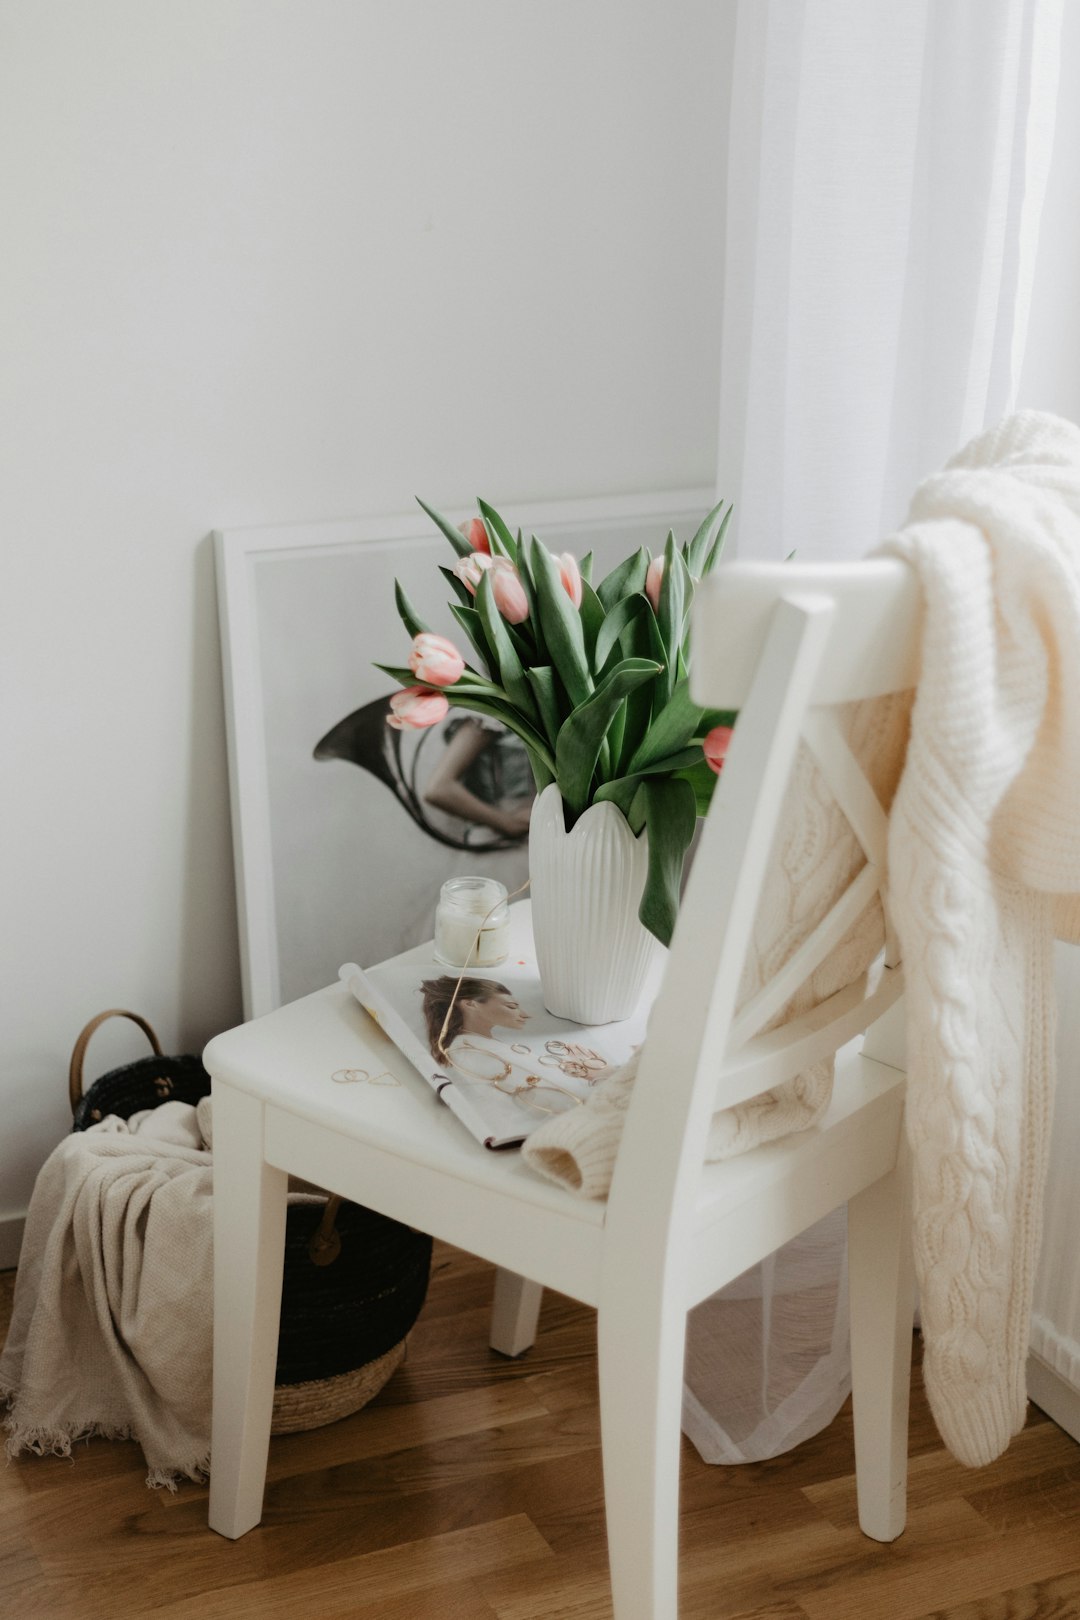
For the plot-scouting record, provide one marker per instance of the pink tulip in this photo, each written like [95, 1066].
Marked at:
[571, 576]
[509, 592]
[414, 709]
[435, 660]
[469, 569]
[716, 745]
[475, 533]
[653, 581]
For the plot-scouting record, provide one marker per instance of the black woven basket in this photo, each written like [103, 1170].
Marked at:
[344, 1320]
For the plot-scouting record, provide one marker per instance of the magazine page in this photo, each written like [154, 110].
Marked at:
[485, 1040]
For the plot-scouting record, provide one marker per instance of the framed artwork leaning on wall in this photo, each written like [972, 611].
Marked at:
[344, 829]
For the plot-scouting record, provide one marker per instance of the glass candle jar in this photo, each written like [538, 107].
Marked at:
[472, 923]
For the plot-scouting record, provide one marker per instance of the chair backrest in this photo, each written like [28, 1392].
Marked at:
[785, 644]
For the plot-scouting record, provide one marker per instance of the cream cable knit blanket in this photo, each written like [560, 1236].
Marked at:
[984, 855]
[985, 868]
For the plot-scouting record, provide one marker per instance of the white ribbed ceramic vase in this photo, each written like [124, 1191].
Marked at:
[586, 885]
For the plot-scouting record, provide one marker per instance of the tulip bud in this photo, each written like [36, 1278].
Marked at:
[414, 709]
[716, 744]
[653, 580]
[435, 660]
[469, 569]
[571, 576]
[509, 592]
[475, 533]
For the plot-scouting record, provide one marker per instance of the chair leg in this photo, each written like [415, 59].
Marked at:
[641, 1353]
[882, 1289]
[249, 1250]
[515, 1312]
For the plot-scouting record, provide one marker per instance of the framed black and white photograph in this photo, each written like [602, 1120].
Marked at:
[344, 829]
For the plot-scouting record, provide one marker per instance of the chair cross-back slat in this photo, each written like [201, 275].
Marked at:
[871, 650]
[810, 955]
[847, 783]
[857, 800]
[768, 1060]
[860, 805]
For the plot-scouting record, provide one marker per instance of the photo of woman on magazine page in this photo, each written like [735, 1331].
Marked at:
[461, 1016]
[488, 1046]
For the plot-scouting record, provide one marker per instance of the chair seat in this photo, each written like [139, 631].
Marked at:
[354, 1138]
[288, 1058]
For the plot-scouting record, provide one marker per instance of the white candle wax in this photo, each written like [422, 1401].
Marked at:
[472, 925]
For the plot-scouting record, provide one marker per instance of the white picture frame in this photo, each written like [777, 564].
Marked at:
[324, 873]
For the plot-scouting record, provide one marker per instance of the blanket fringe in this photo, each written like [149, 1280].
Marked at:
[51, 1442]
[169, 1478]
[57, 1442]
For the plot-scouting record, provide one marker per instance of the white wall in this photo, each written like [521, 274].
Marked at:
[278, 259]
[283, 259]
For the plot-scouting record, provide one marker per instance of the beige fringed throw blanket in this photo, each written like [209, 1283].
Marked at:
[111, 1331]
[984, 855]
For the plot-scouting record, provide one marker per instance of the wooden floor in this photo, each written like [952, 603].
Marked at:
[471, 1490]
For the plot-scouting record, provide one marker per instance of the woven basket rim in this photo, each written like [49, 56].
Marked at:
[325, 1400]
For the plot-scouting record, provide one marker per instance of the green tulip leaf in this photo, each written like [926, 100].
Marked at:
[511, 673]
[473, 626]
[618, 618]
[455, 536]
[625, 579]
[582, 734]
[642, 640]
[470, 685]
[560, 625]
[670, 812]
[541, 678]
[679, 762]
[412, 621]
[678, 721]
[676, 589]
[717, 548]
[458, 586]
[397, 673]
[592, 619]
[702, 779]
[499, 707]
[698, 549]
[501, 540]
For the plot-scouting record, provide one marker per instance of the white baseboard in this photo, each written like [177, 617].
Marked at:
[1058, 1399]
[11, 1233]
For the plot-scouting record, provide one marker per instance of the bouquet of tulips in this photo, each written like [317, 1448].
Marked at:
[594, 681]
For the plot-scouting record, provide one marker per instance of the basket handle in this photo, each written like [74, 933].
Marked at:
[324, 1245]
[75, 1073]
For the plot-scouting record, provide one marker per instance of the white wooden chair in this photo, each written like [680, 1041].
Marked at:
[782, 644]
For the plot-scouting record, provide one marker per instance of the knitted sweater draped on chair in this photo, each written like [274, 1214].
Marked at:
[984, 859]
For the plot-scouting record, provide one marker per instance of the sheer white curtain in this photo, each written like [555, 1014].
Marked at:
[887, 165]
[886, 171]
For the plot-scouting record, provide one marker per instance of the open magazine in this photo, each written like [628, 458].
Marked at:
[487, 1044]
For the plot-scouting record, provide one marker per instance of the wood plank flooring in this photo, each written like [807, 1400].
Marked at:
[470, 1490]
